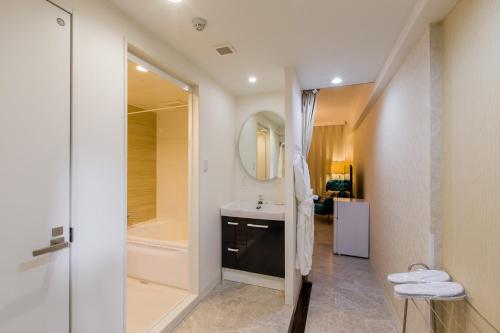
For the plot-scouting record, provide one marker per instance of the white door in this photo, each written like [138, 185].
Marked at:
[34, 166]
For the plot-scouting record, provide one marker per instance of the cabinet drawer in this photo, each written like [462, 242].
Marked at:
[233, 256]
[233, 230]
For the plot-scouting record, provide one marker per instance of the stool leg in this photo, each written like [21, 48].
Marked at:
[450, 317]
[405, 314]
[433, 313]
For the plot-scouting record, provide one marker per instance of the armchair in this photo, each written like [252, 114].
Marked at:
[338, 188]
[325, 207]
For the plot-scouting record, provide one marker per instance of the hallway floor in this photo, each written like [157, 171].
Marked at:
[346, 296]
[239, 308]
[147, 303]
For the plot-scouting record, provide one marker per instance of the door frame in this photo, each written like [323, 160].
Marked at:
[171, 319]
[69, 232]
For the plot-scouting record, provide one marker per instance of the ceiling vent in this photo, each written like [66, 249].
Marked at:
[225, 49]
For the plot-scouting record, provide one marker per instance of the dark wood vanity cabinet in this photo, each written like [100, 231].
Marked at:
[256, 246]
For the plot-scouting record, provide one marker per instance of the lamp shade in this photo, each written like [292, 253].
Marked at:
[337, 167]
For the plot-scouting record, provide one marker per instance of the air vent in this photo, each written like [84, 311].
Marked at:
[225, 49]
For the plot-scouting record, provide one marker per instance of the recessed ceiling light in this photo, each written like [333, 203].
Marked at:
[337, 80]
[252, 79]
[175, 1]
[140, 68]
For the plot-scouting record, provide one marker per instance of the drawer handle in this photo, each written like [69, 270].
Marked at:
[257, 226]
[233, 250]
[233, 223]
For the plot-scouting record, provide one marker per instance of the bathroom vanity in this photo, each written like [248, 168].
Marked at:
[253, 243]
[253, 232]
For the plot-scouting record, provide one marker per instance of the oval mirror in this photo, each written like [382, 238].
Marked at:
[262, 145]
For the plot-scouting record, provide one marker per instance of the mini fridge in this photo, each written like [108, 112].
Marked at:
[351, 235]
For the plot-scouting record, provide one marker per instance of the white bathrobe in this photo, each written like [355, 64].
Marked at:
[305, 215]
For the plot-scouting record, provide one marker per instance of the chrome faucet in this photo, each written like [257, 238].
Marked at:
[260, 201]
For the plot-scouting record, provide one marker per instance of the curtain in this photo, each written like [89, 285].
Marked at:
[328, 145]
[308, 112]
[302, 186]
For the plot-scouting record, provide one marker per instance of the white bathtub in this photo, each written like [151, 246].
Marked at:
[157, 251]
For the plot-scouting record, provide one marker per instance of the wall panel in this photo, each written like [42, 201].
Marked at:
[141, 173]
[471, 231]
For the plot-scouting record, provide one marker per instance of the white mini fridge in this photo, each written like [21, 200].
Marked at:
[351, 234]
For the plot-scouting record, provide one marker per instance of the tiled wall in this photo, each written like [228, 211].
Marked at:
[141, 193]
[173, 166]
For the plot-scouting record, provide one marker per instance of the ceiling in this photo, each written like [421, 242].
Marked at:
[320, 38]
[147, 90]
[341, 104]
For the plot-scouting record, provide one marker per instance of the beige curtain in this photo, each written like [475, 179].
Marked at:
[328, 145]
[309, 99]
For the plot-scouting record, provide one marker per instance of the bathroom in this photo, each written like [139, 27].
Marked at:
[158, 258]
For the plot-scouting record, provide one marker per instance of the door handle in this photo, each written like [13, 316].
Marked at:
[48, 249]
[257, 226]
[233, 250]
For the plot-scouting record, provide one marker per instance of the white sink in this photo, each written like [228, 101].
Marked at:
[249, 210]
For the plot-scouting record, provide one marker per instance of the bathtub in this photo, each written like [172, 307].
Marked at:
[157, 251]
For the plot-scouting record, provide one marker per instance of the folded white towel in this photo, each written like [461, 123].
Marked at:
[433, 290]
[420, 276]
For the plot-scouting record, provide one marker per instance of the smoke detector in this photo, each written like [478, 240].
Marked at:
[199, 23]
[225, 49]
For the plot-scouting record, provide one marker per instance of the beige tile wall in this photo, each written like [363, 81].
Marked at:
[141, 166]
[173, 166]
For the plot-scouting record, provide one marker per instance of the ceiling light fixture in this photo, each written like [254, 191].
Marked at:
[252, 79]
[175, 1]
[337, 80]
[140, 68]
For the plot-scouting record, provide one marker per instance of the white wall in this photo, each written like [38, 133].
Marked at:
[246, 187]
[99, 164]
[293, 133]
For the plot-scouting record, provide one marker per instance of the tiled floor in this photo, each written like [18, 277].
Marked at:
[239, 308]
[147, 303]
[346, 296]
